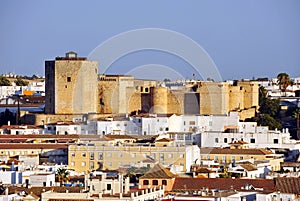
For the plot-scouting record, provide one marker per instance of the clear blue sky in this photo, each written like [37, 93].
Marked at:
[257, 38]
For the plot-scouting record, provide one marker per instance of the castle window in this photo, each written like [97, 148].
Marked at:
[68, 79]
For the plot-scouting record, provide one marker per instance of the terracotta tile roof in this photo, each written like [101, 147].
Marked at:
[37, 136]
[235, 151]
[164, 140]
[158, 172]
[203, 170]
[32, 146]
[288, 185]
[249, 167]
[182, 184]
[39, 190]
[23, 126]
[290, 164]
[119, 137]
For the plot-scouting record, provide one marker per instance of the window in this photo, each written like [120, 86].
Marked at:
[133, 155]
[154, 182]
[225, 140]
[83, 154]
[92, 166]
[146, 182]
[68, 79]
[208, 157]
[91, 156]
[161, 157]
[73, 154]
[100, 156]
[216, 159]
[216, 140]
[275, 141]
[241, 157]
[83, 164]
[146, 89]
[120, 155]
[192, 123]
[49, 128]
[181, 155]
[108, 187]
[72, 163]
[164, 182]
[170, 155]
[233, 159]
[252, 140]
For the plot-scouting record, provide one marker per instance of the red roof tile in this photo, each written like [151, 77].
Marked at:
[221, 183]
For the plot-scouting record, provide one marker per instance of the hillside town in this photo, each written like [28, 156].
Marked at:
[75, 134]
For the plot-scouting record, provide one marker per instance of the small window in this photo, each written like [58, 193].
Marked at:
[68, 79]
[146, 89]
[225, 140]
[73, 154]
[83, 164]
[252, 140]
[216, 140]
[100, 156]
[108, 187]
[72, 163]
[164, 182]
[155, 182]
[83, 154]
[146, 182]
[275, 141]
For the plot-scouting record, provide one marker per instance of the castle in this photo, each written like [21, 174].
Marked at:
[75, 90]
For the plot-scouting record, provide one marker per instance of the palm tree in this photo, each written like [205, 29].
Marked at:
[283, 80]
[296, 115]
[62, 175]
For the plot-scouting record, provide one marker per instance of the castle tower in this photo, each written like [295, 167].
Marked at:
[159, 100]
[71, 85]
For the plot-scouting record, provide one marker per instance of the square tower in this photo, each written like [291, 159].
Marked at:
[71, 85]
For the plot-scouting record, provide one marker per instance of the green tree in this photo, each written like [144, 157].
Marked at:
[271, 122]
[20, 82]
[283, 80]
[296, 115]
[270, 106]
[62, 175]
[4, 81]
[262, 94]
